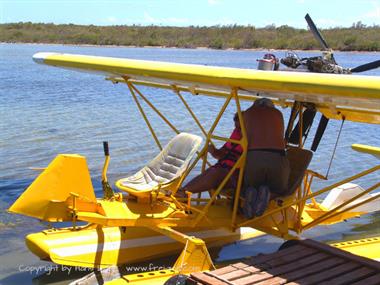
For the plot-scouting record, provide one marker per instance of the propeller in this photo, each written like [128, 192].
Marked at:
[318, 36]
[367, 66]
[324, 120]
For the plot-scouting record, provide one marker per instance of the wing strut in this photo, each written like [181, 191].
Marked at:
[319, 133]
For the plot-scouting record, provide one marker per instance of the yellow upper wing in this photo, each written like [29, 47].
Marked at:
[353, 97]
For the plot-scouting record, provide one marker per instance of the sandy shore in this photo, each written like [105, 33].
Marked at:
[197, 48]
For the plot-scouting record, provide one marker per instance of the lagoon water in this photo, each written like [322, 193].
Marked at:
[45, 111]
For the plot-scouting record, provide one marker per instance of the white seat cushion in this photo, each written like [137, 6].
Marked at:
[167, 166]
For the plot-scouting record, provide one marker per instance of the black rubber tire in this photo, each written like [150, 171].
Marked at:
[179, 279]
[288, 243]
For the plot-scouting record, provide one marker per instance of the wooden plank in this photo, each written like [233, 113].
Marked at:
[309, 262]
[252, 279]
[372, 280]
[326, 274]
[229, 268]
[297, 264]
[273, 281]
[266, 257]
[205, 279]
[350, 277]
[240, 273]
[224, 270]
[308, 270]
[240, 265]
[287, 259]
[341, 253]
[252, 269]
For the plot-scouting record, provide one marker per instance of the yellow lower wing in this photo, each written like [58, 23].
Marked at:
[367, 149]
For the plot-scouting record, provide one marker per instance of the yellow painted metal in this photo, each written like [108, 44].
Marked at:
[194, 257]
[156, 110]
[99, 246]
[70, 196]
[367, 149]
[172, 186]
[327, 217]
[310, 214]
[241, 163]
[105, 168]
[144, 116]
[195, 90]
[363, 115]
[238, 163]
[176, 90]
[158, 277]
[330, 110]
[366, 247]
[349, 86]
[46, 198]
[328, 91]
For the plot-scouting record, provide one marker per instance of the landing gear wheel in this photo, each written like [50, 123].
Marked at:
[179, 279]
[289, 243]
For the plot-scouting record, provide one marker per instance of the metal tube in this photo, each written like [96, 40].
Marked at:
[144, 116]
[244, 145]
[189, 110]
[333, 212]
[216, 193]
[361, 174]
[156, 110]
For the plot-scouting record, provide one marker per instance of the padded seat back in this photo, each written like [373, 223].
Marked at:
[166, 167]
[299, 160]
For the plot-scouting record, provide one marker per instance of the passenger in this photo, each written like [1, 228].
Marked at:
[227, 156]
[266, 163]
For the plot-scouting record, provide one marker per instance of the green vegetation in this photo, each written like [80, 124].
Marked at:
[358, 37]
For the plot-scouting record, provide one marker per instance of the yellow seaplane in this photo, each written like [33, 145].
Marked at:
[145, 219]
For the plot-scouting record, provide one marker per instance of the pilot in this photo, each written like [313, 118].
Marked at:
[227, 156]
[266, 162]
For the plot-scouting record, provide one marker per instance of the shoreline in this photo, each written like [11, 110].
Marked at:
[195, 48]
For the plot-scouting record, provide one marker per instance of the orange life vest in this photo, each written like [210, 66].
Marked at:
[234, 151]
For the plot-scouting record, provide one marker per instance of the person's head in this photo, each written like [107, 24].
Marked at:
[263, 102]
[236, 121]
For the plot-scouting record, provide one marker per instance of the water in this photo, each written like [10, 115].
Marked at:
[45, 111]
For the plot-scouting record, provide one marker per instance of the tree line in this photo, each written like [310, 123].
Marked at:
[358, 37]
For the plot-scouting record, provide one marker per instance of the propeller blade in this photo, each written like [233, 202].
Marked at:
[367, 66]
[318, 35]
[315, 32]
[319, 133]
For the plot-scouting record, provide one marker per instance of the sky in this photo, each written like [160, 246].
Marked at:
[258, 13]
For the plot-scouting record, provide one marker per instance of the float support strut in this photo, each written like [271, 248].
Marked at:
[194, 257]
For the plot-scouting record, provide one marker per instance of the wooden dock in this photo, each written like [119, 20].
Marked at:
[306, 262]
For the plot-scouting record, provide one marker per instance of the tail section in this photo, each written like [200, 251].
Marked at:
[46, 198]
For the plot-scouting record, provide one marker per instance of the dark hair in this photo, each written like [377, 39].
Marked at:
[264, 102]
